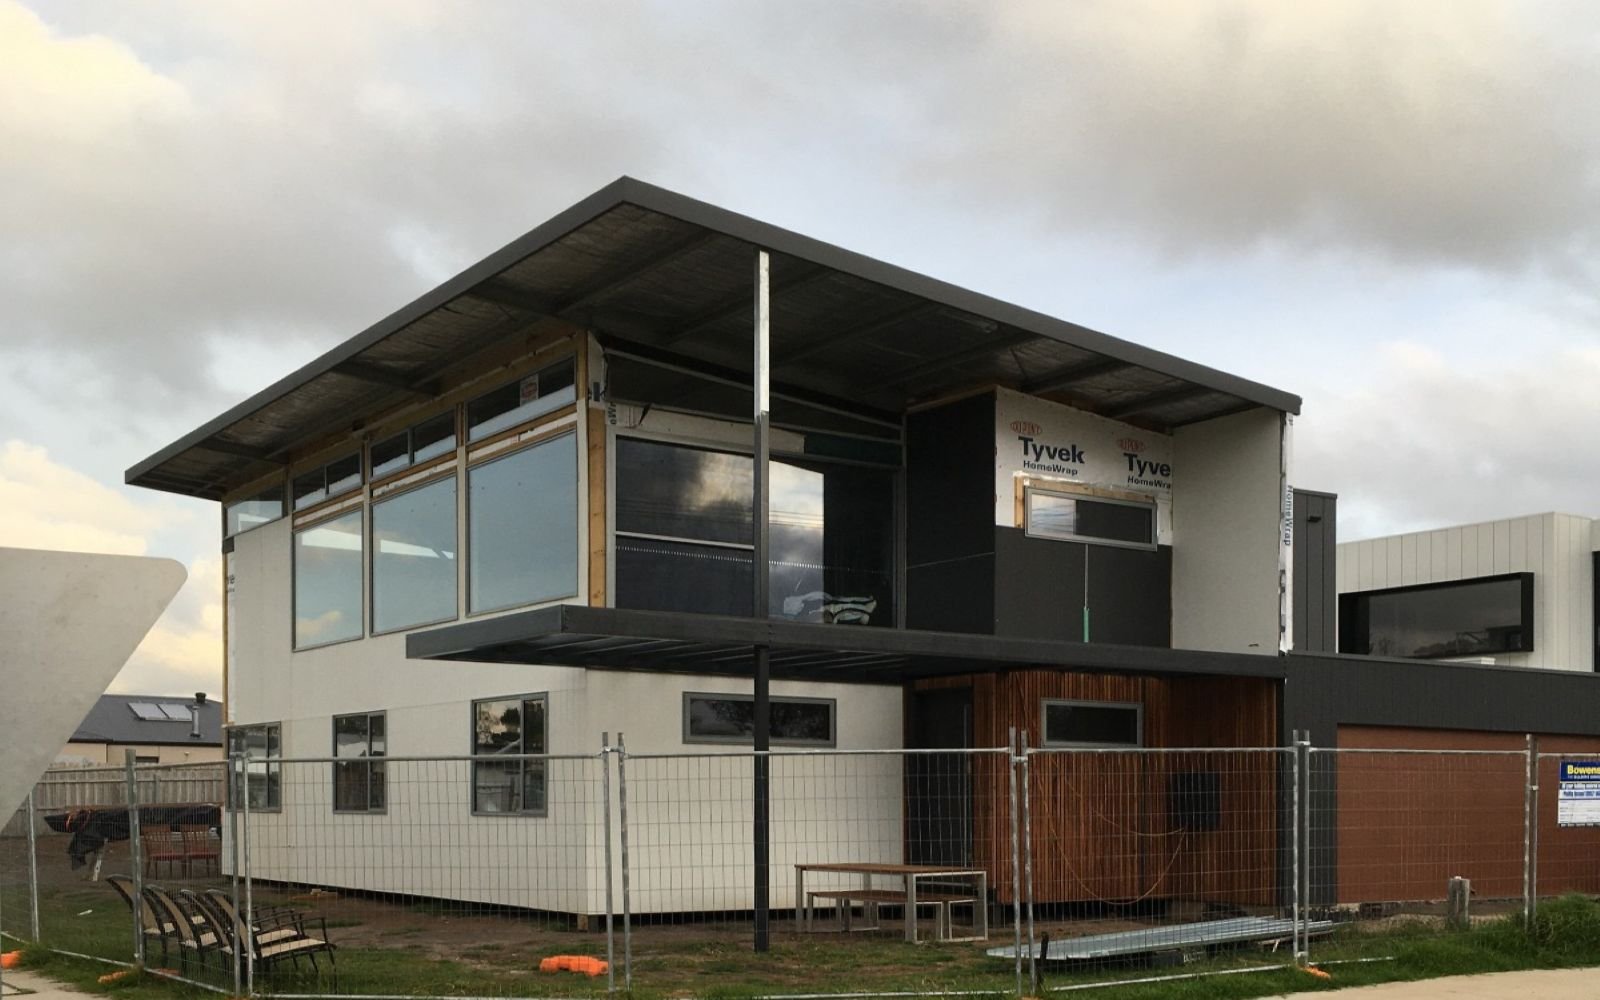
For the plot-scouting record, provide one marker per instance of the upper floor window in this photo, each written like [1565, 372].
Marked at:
[242, 515]
[327, 581]
[414, 557]
[522, 527]
[429, 439]
[509, 726]
[1081, 518]
[259, 745]
[358, 780]
[326, 481]
[1492, 614]
[549, 388]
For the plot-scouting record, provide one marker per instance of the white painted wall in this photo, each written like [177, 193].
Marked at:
[1556, 548]
[1227, 521]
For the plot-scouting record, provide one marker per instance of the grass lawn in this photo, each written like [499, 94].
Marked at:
[387, 948]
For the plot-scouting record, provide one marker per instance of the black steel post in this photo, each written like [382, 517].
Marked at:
[760, 833]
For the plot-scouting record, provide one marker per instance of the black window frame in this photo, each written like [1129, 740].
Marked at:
[270, 768]
[1355, 624]
[1031, 490]
[690, 737]
[542, 810]
[371, 762]
[1045, 704]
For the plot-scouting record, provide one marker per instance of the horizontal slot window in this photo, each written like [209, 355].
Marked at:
[731, 718]
[429, 439]
[1071, 517]
[326, 481]
[1092, 724]
[1462, 618]
[547, 389]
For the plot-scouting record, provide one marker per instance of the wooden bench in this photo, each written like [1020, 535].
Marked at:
[871, 899]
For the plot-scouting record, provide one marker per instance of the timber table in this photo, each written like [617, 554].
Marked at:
[909, 895]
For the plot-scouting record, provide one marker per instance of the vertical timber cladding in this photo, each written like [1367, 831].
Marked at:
[1407, 825]
[1101, 825]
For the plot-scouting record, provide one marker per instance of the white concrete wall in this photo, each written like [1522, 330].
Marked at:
[1556, 548]
[1227, 523]
[114, 753]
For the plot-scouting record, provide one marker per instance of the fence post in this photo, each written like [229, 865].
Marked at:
[622, 842]
[33, 869]
[233, 792]
[1302, 843]
[136, 853]
[1016, 860]
[1027, 864]
[247, 916]
[605, 832]
[1530, 834]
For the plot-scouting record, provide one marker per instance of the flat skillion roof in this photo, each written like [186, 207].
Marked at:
[670, 642]
[666, 283]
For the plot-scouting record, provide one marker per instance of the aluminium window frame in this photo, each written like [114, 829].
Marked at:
[543, 812]
[272, 768]
[295, 531]
[1064, 491]
[371, 761]
[427, 477]
[1045, 705]
[557, 427]
[833, 719]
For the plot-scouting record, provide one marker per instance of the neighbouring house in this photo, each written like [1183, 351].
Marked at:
[519, 513]
[157, 728]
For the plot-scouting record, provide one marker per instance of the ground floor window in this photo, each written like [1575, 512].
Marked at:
[509, 726]
[1092, 724]
[731, 718]
[358, 780]
[262, 784]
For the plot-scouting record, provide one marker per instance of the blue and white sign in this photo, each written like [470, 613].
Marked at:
[1579, 798]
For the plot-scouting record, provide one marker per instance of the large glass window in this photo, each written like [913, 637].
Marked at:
[509, 726]
[259, 745]
[327, 582]
[730, 718]
[683, 535]
[358, 780]
[326, 481]
[1461, 618]
[414, 557]
[522, 527]
[547, 389]
[1092, 724]
[1090, 519]
[242, 515]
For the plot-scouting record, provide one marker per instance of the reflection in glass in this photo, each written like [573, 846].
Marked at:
[327, 582]
[261, 777]
[1464, 618]
[731, 719]
[414, 557]
[1053, 515]
[246, 514]
[508, 726]
[1067, 722]
[522, 527]
[547, 389]
[358, 786]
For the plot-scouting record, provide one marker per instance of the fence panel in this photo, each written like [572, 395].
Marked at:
[868, 851]
[435, 876]
[1567, 847]
[1389, 829]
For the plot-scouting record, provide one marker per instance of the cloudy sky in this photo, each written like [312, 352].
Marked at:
[1392, 210]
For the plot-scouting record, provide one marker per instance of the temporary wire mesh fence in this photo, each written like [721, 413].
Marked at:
[1565, 849]
[993, 871]
[1390, 831]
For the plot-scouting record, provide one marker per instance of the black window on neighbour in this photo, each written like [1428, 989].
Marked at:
[684, 535]
[1460, 618]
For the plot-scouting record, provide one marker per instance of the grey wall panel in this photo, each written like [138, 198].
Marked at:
[1039, 591]
[1315, 583]
[950, 481]
[955, 595]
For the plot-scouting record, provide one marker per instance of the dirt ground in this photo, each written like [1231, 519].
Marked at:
[1544, 984]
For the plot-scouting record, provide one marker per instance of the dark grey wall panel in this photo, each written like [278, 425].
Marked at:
[1316, 543]
[950, 481]
[956, 595]
[1039, 591]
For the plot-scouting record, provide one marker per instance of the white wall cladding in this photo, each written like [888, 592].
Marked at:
[1556, 548]
[1227, 517]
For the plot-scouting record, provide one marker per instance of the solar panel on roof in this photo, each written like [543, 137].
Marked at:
[178, 713]
[148, 711]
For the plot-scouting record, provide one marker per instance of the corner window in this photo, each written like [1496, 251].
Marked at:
[522, 527]
[327, 481]
[730, 718]
[1475, 617]
[1092, 724]
[1076, 518]
[509, 726]
[358, 784]
[327, 582]
[262, 785]
[242, 515]
[428, 439]
[547, 389]
[414, 557]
